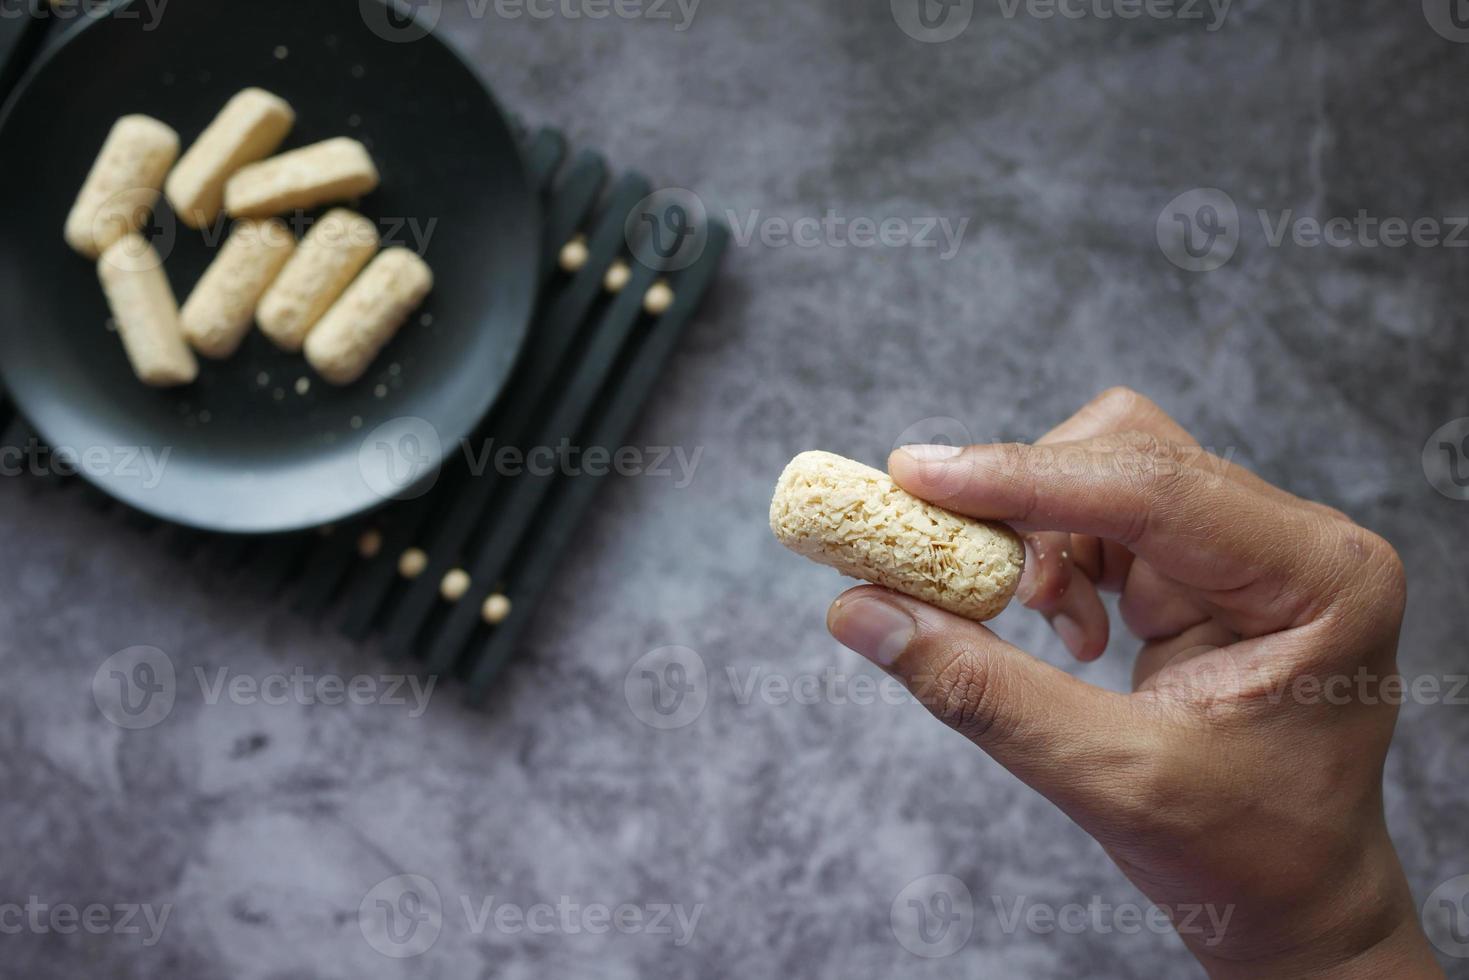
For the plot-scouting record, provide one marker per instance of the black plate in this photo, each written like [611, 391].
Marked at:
[246, 450]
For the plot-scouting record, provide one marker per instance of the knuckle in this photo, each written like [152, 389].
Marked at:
[1139, 613]
[1332, 515]
[1363, 576]
[1151, 793]
[1051, 587]
[1168, 469]
[1052, 571]
[1160, 484]
[1141, 455]
[1137, 441]
[1389, 576]
[1016, 459]
[1214, 469]
[964, 695]
[1119, 402]
[1155, 803]
[1019, 468]
[1152, 467]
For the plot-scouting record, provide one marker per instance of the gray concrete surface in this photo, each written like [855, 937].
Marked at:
[792, 830]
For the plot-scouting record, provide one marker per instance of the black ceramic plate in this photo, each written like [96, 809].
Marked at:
[251, 446]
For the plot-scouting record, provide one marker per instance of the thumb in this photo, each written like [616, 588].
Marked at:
[1045, 726]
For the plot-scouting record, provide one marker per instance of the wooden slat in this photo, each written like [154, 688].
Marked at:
[514, 520]
[228, 552]
[543, 156]
[274, 561]
[183, 542]
[529, 400]
[570, 206]
[325, 567]
[514, 413]
[330, 562]
[536, 566]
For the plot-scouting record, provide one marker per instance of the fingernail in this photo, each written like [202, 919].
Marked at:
[936, 473]
[1025, 589]
[878, 630]
[1069, 630]
[932, 454]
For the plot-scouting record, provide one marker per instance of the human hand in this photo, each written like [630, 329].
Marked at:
[1244, 772]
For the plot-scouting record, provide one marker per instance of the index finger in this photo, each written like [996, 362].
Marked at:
[1170, 504]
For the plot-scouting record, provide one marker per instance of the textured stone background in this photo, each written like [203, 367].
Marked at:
[794, 826]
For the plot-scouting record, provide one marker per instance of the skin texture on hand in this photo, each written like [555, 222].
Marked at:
[1243, 774]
